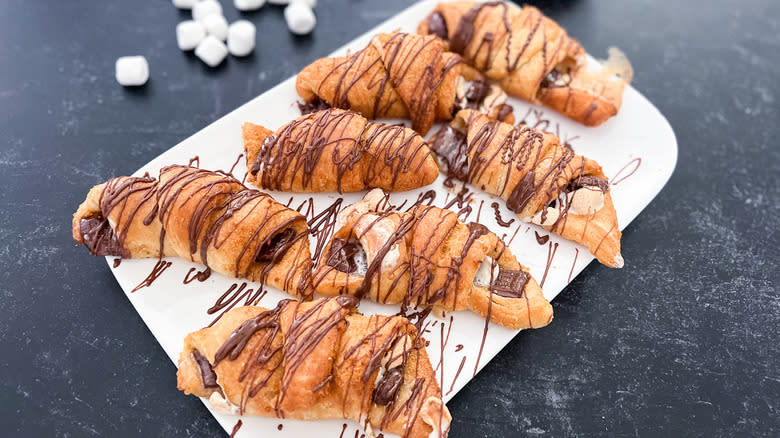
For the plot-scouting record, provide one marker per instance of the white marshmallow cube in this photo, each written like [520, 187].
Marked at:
[248, 5]
[241, 38]
[184, 4]
[203, 9]
[300, 18]
[216, 25]
[132, 70]
[211, 50]
[189, 34]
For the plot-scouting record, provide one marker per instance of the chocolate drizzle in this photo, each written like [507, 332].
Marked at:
[497, 214]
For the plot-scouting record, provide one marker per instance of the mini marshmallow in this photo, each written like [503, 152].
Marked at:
[241, 38]
[211, 50]
[248, 5]
[300, 18]
[203, 9]
[216, 25]
[132, 70]
[184, 4]
[189, 34]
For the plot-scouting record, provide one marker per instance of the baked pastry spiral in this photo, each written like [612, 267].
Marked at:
[336, 150]
[401, 75]
[317, 360]
[540, 180]
[426, 257]
[201, 216]
[531, 57]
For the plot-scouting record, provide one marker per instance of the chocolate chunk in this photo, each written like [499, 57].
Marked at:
[388, 387]
[437, 26]
[590, 181]
[476, 92]
[522, 193]
[312, 107]
[207, 373]
[510, 283]
[346, 255]
[504, 111]
[99, 237]
[450, 145]
[273, 249]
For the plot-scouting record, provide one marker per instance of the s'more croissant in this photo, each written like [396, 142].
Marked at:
[531, 57]
[426, 257]
[542, 182]
[317, 360]
[337, 150]
[400, 75]
[201, 216]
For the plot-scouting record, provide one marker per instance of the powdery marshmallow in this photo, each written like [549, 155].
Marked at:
[211, 50]
[189, 34]
[184, 4]
[241, 38]
[132, 70]
[203, 9]
[216, 25]
[248, 5]
[300, 18]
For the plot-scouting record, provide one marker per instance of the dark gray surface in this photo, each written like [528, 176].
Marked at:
[682, 341]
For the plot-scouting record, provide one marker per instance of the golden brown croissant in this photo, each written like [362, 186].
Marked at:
[317, 360]
[400, 75]
[201, 216]
[336, 150]
[428, 258]
[532, 57]
[541, 181]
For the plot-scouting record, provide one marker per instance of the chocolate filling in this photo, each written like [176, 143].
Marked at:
[522, 193]
[388, 386]
[312, 107]
[588, 181]
[207, 373]
[99, 237]
[557, 78]
[503, 111]
[273, 249]
[451, 148]
[437, 26]
[510, 283]
[347, 255]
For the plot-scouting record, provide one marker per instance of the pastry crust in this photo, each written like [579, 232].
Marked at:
[531, 56]
[426, 257]
[541, 181]
[317, 360]
[396, 75]
[337, 150]
[201, 216]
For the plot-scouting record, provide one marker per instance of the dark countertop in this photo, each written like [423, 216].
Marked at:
[682, 341]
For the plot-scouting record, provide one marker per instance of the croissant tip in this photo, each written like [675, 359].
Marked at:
[618, 261]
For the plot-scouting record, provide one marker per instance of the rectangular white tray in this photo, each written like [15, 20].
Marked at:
[638, 136]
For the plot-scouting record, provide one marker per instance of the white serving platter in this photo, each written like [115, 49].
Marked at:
[638, 147]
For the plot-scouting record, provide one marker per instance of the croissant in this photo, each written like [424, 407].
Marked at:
[201, 216]
[541, 181]
[531, 57]
[401, 75]
[317, 360]
[336, 150]
[428, 258]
